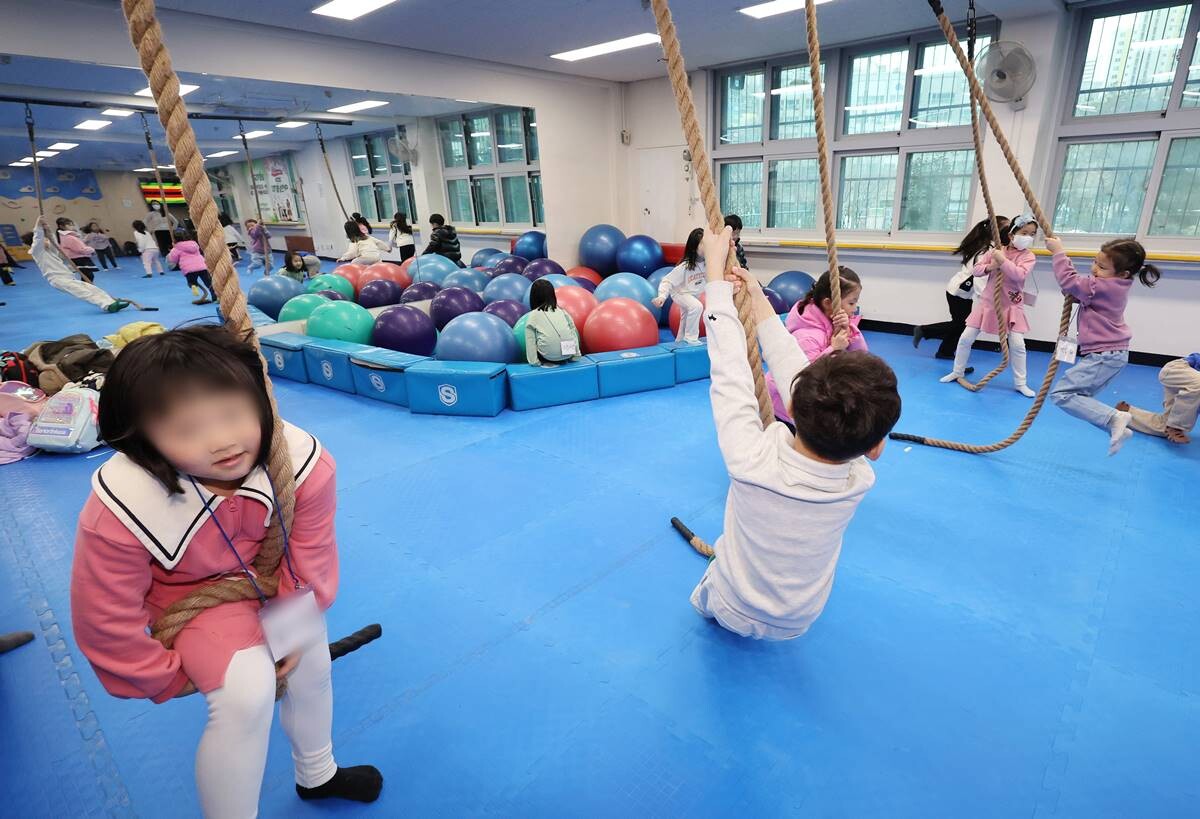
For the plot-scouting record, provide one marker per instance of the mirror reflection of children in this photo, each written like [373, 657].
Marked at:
[294, 266]
[550, 334]
[683, 285]
[1181, 402]
[147, 247]
[363, 248]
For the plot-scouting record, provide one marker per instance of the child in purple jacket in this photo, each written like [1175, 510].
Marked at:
[1103, 334]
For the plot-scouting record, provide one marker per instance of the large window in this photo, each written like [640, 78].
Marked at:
[741, 191]
[793, 194]
[875, 98]
[742, 106]
[515, 191]
[381, 184]
[937, 190]
[792, 101]
[1103, 186]
[940, 92]
[868, 191]
[460, 200]
[1177, 210]
[490, 164]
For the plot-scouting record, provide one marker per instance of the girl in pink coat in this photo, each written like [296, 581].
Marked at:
[818, 330]
[1013, 262]
[187, 257]
[186, 502]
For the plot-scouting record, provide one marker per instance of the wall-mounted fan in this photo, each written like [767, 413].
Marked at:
[402, 149]
[1007, 71]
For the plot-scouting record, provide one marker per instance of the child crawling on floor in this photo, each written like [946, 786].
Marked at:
[791, 497]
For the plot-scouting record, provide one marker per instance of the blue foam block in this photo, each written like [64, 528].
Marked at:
[691, 361]
[285, 355]
[329, 362]
[532, 387]
[457, 388]
[626, 371]
[381, 375]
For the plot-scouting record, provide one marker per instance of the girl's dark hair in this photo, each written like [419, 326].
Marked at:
[979, 239]
[182, 234]
[1129, 258]
[542, 296]
[362, 220]
[88, 227]
[733, 221]
[691, 251]
[823, 288]
[295, 254]
[62, 222]
[139, 226]
[400, 223]
[225, 219]
[352, 231]
[148, 374]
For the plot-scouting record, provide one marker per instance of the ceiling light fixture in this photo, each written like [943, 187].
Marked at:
[350, 9]
[293, 123]
[118, 112]
[623, 44]
[255, 134]
[184, 90]
[356, 106]
[219, 154]
[774, 7]
[143, 170]
[93, 124]
[47, 154]
[63, 146]
[469, 102]
[18, 164]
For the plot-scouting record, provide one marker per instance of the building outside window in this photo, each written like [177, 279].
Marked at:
[382, 186]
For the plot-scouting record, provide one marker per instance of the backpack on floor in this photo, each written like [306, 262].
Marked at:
[17, 367]
[68, 423]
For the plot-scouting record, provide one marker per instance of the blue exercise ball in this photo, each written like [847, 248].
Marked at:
[481, 256]
[468, 278]
[492, 261]
[431, 268]
[556, 279]
[477, 337]
[655, 280]
[270, 293]
[791, 286]
[639, 254]
[506, 287]
[531, 245]
[629, 286]
[598, 248]
[777, 303]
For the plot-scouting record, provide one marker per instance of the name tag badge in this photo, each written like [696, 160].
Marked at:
[570, 347]
[1066, 350]
[1029, 299]
[292, 624]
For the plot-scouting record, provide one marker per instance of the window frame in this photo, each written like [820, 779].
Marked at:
[493, 168]
[390, 178]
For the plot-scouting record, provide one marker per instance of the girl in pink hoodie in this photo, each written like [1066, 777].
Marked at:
[1103, 334]
[185, 503]
[818, 330]
[187, 257]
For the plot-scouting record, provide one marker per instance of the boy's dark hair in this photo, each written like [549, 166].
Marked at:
[1129, 257]
[27, 238]
[147, 374]
[979, 239]
[844, 404]
[823, 289]
[542, 296]
[437, 220]
[352, 231]
[224, 220]
[733, 221]
[139, 226]
[691, 250]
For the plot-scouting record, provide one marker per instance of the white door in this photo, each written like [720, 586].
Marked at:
[662, 193]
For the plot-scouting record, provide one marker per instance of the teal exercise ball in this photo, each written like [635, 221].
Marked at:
[330, 281]
[342, 321]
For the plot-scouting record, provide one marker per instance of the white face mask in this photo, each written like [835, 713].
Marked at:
[1022, 242]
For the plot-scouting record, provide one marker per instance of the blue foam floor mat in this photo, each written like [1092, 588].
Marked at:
[1009, 635]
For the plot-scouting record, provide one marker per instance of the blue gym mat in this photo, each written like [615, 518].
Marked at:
[1008, 635]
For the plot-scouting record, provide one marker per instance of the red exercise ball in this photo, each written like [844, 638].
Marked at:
[351, 273]
[677, 315]
[406, 264]
[585, 273]
[389, 271]
[619, 324]
[578, 302]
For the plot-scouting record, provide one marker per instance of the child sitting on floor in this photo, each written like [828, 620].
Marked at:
[1181, 402]
[790, 497]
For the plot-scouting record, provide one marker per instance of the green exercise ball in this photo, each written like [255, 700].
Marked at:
[300, 307]
[341, 320]
[519, 332]
[331, 281]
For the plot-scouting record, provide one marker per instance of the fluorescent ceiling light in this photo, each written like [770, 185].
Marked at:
[1191, 93]
[27, 160]
[622, 44]
[937, 69]
[469, 102]
[1168, 41]
[219, 154]
[167, 167]
[292, 124]
[878, 106]
[358, 156]
[774, 7]
[356, 106]
[47, 154]
[18, 164]
[63, 146]
[118, 112]
[510, 145]
[93, 124]
[255, 134]
[184, 90]
[143, 170]
[350, 9]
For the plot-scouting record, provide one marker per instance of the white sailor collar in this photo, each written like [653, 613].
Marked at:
[164, 523]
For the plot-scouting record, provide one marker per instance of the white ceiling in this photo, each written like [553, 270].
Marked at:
[526, 32]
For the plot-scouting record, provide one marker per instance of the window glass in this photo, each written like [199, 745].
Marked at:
[454, 147]
[742, 106]
[459, 197]
[940, 93]
[402, 204]
[479, 140]
[1131, 60]
[867, 191]
[1103, 186]
[398, 166]
[515, 190]
[792, 102]
[1191, 91]
[793, 194]
[535, 192]
[379, 154]
[741, 191]
[531, 140]
[937, 190]
[487, 208]
[875, 93]
[358, 156]
[509, 146]
[1177, 211]
[385, 206]
[366, 202]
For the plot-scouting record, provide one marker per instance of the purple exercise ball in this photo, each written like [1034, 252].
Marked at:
[332, 295]
[508, 310]
[405, 329]
[542, 267]
[380, 293]
[509, 264]
[421, 291]
[778, 303]
[453, 302]
[586, 284]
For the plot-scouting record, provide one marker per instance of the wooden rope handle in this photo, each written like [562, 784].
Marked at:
[694, 136]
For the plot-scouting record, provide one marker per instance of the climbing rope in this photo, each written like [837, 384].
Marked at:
[329, 169]
[818, 90]
[162, 191]
[708, 192]
[250, 171]
[1065, 320]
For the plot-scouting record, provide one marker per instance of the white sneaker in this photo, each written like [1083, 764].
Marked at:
[1024, 390]
[950, 377]
[1119, 432]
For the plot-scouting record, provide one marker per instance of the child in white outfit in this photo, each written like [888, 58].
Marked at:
[59, 275]
[684, 284]
[147, 247]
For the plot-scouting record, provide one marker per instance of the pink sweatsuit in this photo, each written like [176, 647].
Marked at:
[188, 256]
[813, 331]
[1015, 271]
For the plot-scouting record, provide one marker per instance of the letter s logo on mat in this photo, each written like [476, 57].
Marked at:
[448, 394]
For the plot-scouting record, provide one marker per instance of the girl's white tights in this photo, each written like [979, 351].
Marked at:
[233, 750]
[689, 319]
[152, 259]
[1016, 357]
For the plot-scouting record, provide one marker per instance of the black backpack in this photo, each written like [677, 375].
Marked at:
[16, 367]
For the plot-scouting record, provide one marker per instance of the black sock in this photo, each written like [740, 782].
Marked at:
[361, 783]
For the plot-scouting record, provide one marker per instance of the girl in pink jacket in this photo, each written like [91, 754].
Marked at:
[1013, 262]
[75, 249]
[187, 257]
[185, 502]
[818, 330]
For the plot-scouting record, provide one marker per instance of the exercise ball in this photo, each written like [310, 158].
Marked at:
[519, 331]
[629, 286]
[329, 281]
[431, 268]
[300, 307]
[389, 271]
[477, 337]
[531, 245]
[586, 284]
[639, 254]
[379, 293]
[619, 324]
[351, 273]
[543, 267]
[491, 261]
[791, 286]
[778, 304]
[655, 280]
[482, 256]
[451, 303]
[559, 281]
[579, 304]
[469, 279]
[585, 273]
[509, 264]
[270, 293]
[506, 287]
[405, 329]
[341, 320]
[598, 248]
[421, 291]
[507, 309]
[332, 295]
[676, 316]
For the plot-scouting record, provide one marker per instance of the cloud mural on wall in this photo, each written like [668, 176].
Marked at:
[16, 183]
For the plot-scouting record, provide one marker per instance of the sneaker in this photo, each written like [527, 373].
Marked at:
[1024, 390]
[1119, 431]
[117, 306]
[950, 377]
[148, 276]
